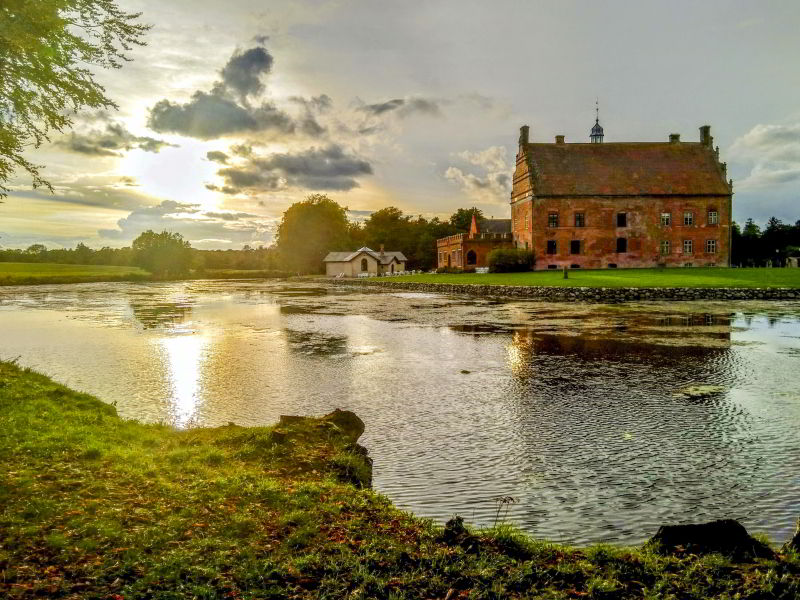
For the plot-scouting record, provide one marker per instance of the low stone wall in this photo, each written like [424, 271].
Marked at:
[584, 294]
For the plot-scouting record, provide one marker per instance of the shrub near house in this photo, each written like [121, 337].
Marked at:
[510, 260]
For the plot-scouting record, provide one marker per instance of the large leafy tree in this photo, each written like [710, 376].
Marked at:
[49, 52]
[309, 230]
[462, 218]
[164, 254]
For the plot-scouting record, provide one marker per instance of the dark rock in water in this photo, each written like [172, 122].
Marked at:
[794, 543]
[348, 422]
[727, 537]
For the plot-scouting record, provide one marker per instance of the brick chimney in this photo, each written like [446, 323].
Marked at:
[674, 138]
[559, 139]
[524, 133]
[382, 254]
[705, 136]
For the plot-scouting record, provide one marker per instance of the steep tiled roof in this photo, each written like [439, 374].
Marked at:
[348, 256]
[494, 226]
[626, 169]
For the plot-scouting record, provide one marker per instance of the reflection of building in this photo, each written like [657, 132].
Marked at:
[364, 261]
[470, 250]
[608, 205]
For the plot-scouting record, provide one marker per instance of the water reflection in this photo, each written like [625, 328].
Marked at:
[183, 357]
[569, 407]
[154, 313]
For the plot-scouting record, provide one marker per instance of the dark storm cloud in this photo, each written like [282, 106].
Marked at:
[111, 140]
[225, 109]
[328, 168]
[243, 72]
[208, 116]
[404, 107]
[318, 104]
[217, 156]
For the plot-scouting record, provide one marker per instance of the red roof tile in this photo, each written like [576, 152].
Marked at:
[626, 169]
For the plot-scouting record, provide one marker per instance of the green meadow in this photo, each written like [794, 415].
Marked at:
[630, 278]
[35, 273]
[94, 506]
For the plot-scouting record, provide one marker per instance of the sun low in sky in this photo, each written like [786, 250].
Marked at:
[235, 110]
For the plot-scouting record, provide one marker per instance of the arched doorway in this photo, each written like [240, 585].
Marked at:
[472, 258]
[448, 260]
[364, 265]
[392, 267]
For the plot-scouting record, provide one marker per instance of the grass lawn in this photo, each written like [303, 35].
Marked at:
[683, 277]
[33, 273]
[92, 506]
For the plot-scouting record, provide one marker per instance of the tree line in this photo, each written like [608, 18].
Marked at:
[317, 225]
[308, 230]
[753, 247]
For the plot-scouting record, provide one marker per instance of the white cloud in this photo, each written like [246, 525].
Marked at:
[204, 229]
[494, 184]
[772, 154]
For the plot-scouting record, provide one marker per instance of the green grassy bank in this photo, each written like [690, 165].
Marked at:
[47, 273]
[41, 273]
[633, 278]
[92, 506]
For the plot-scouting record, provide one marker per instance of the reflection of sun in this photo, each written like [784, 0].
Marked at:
[184, 354]
[518, 353]
[178, 174]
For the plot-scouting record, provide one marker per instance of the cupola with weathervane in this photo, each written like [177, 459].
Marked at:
[597, 131]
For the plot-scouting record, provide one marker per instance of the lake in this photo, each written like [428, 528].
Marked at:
[572, 410]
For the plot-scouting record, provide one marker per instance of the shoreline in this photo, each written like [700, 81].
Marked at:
[94, 505]
[584, 294]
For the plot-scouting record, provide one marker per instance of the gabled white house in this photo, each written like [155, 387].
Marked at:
[364, 260]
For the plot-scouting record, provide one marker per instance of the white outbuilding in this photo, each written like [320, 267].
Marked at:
[364, 262]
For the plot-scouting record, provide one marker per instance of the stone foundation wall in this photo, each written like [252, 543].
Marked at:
[584, 294]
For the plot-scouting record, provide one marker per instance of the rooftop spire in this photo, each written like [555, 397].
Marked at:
[596, 135]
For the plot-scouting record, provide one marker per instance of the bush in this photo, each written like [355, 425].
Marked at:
[448, 270]
[510, 260]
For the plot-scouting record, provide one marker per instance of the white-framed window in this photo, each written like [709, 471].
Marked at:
[580, 219]
[666, 219]
[688, 217]
[664, 248]
[711, 246]
[526, 221]
[713, 217]
[552, 219]
[688, 246]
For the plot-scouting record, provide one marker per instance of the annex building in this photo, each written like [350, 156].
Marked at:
[602, 205]
[364, 262]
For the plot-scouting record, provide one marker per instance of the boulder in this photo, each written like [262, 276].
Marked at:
[726, 536]
[347, 422]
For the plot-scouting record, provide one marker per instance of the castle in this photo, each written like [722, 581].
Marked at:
[613, 205]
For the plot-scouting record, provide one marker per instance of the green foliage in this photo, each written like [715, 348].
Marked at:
[309, 230]
[510, 260]
[163, 254]
[752, 247]
[461, 220]
[49, 51]
[91, 506]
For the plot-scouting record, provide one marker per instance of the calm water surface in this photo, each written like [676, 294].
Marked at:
[568, 408]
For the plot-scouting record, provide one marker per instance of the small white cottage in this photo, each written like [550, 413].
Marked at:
[364, 261]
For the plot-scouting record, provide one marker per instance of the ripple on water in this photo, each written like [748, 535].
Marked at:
[568, 408]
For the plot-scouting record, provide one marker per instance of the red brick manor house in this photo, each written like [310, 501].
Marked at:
[607, 205]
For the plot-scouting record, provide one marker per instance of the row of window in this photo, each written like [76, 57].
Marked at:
[576, 246]
[579, 219]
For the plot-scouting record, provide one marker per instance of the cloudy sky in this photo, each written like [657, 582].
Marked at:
[236, 109]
